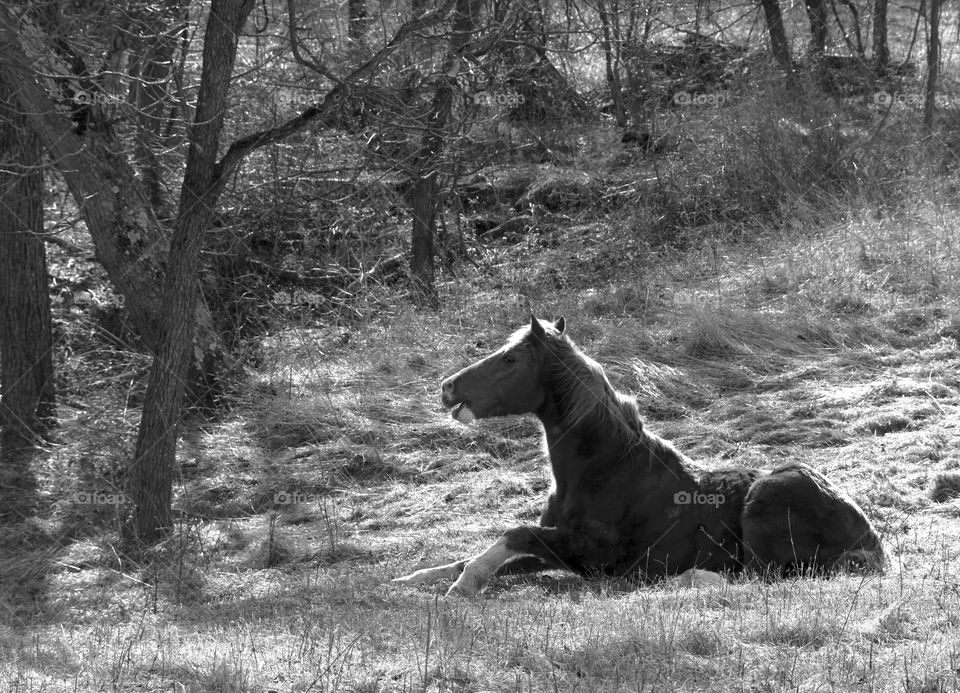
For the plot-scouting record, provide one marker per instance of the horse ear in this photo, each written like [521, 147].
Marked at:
[560, 323]
[535, 327]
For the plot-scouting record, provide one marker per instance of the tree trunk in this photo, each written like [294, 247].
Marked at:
[881, 52]
[611, 56]
[778, 35]
[817, 14]
[933, 66]
[26, 338]
[151, 479]
[425, 187]
[423, 204]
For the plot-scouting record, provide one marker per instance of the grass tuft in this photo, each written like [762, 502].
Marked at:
[944, 487]
[882, 424]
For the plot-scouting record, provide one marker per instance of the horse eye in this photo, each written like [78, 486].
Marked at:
[509, 358]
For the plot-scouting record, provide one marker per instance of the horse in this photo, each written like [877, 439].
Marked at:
[625, 502]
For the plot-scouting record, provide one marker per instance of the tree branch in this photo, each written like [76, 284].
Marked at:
[325, 111]
[295, 47]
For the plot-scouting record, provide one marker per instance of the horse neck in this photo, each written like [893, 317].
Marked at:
[572, 449]
[588, 424]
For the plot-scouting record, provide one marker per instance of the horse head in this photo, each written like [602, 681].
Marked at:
[508, 381]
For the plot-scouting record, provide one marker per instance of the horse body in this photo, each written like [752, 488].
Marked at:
[625, 502]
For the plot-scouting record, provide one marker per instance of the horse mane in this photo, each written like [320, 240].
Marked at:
[585, 396]
[588, 401]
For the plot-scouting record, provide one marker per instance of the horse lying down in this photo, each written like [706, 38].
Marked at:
[624, 501]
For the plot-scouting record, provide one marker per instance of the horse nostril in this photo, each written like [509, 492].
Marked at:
[446, 389]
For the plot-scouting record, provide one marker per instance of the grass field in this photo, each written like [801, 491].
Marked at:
[337, 470]
[827, 333]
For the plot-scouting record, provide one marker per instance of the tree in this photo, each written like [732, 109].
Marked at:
[204, 180]
[128, 238]
[156, 274]
[881, 52]
[817, 15]
[26, 339]
[778, 35]
[424, 191]
[611, 53]
[933, 66]
[152, 471]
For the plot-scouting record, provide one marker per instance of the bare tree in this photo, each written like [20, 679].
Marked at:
[881, 52]
[26, 341]
[817, 15]
[423, 194]
[152, 471]
[612, 56]
[204, 182]
[128, 239]
[933, 66]
[779, 44]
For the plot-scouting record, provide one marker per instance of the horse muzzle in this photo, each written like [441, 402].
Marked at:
[460, 408]
[447, 396]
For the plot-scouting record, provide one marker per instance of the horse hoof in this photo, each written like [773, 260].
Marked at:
[466, 587]
[460, 591]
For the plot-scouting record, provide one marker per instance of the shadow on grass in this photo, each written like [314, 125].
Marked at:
[26, 549]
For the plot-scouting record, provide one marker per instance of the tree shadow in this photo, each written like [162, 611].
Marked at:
[27, 548]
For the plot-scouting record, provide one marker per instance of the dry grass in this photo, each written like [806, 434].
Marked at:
[832, 340]
[338, 470]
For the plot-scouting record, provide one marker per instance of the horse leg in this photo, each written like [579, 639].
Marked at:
[430, 576]
[548, 546]
[517, 566]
